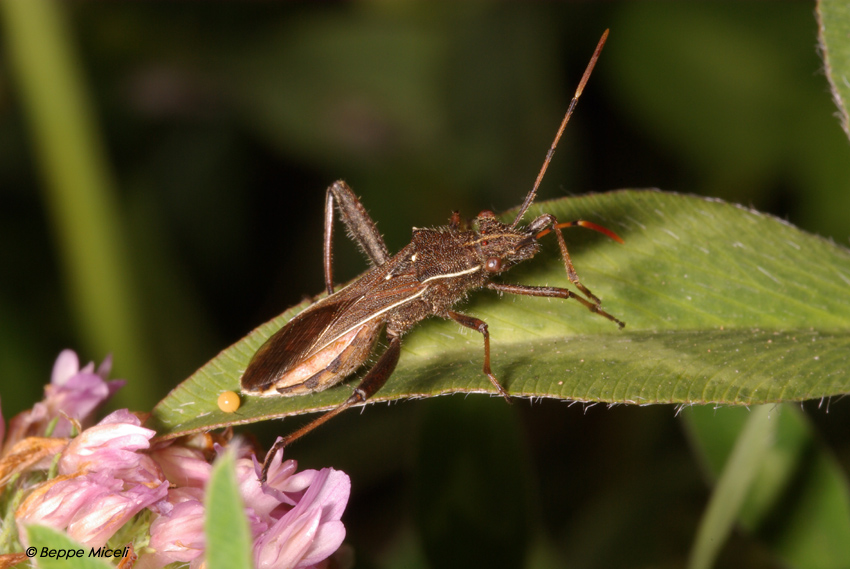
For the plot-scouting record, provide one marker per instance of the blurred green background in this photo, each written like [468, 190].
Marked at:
[216, 129]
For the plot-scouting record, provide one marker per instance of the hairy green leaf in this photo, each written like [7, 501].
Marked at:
[722, 305]
[834, 31]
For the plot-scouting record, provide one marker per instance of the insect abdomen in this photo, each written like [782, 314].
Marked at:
[331, 364]
[326, 367]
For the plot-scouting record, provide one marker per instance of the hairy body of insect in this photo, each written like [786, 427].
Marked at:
[328, 341]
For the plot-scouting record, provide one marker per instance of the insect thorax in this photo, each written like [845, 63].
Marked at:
[442, 254]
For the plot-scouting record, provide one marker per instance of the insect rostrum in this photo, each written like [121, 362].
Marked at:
[328, 341]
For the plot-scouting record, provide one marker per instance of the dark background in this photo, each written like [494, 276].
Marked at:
[223, 125]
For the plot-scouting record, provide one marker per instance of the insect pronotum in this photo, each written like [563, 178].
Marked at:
[332, 338]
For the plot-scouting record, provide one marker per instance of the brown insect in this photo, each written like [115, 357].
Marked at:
[331, 339]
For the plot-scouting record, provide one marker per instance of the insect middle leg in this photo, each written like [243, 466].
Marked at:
[481, 326]
[360, 226]
[374, 379]
[553, 292]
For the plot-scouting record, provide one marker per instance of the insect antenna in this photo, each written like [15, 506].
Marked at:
[530, 197]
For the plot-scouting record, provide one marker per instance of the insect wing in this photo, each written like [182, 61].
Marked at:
[329, 340]
[290, 346]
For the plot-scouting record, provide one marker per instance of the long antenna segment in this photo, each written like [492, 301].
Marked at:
[529, 199]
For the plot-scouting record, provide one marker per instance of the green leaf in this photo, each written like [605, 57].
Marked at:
[834, 29]
[798, 504]
[732, 488]
[53, 542]
[228, 538]
[722, 305]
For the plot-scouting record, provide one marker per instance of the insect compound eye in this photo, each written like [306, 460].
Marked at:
[228, 401]
[486, 214]
[493, 265]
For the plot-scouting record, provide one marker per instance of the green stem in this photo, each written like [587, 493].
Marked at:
[79, 190]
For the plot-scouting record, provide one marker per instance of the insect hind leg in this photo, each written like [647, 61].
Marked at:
[371, 383]
[360, 227]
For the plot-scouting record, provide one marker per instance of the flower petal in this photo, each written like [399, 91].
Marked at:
[182, 465]
[66, 366]
[285, 543]
[109, 445]
[99, 519]
[180, 536]
[321, 505]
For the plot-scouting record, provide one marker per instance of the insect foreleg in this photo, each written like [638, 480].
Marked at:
[548, 222]
[552, 292]
[371, 382]
[481, 326]
[360, 226]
